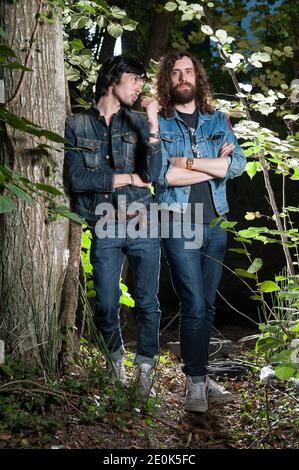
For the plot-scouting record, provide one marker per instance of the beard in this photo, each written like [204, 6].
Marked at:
[181, 95]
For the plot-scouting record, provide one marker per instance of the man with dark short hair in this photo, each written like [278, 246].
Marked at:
[117, 157]
[199, 154]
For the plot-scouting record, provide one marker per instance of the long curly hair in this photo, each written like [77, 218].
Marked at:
[203, 98]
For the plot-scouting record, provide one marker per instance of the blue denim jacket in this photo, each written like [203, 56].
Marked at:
[89, 170]
[212, 131]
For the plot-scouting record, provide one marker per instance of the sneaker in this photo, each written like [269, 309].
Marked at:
[217, 393]
[145, 380]
[117, 368]
[196, 396]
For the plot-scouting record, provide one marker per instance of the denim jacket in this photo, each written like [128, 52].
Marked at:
[90, 171]
[212, 131]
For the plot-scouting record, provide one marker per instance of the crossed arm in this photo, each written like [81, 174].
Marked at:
[203, 169]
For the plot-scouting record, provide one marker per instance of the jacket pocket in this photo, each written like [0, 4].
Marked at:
[130, 148]
[91, 150]
[173, 144]
[215, 141]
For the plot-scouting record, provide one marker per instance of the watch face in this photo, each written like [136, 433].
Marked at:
[189, 163]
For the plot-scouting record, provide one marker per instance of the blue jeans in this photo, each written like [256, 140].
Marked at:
[195, 274]
[107, 257]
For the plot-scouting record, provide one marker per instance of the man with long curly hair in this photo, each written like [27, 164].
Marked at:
[199, 154]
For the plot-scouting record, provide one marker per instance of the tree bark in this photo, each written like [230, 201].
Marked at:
[107, 48]
[33, 249]
[160, 31]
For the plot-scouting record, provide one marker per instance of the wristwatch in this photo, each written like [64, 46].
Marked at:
[155, 135]
[189, 163]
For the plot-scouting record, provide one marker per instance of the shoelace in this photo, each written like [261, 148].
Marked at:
[120, 370]
[199, 388]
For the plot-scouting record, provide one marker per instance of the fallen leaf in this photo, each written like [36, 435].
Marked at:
[189, 438]
[5, 436]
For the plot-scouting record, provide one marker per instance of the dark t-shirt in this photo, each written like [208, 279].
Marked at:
[199, 192]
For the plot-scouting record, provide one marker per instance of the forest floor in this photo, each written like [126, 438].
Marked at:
[84, 410]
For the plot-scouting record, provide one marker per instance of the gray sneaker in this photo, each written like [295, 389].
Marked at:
[217, 393]
[118, 371]
[145, 380]
[196, 396]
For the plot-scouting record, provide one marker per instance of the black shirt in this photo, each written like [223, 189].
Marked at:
[199, 192]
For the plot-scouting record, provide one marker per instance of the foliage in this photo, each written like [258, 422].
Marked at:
[265, 93]
[125, 298]
[85, 24]
[18, 187]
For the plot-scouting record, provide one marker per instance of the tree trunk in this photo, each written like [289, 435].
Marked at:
[160, 31]
[33, 249]
[107, 48]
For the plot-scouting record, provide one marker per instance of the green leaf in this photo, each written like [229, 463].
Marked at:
[63, 210]
[127, 300]
[295, 175]
[6, 172]
[163, 360]
[238, 250]
[86, 239]
[227, 224]
[243, 240]
[247, 233]
[244, 273]
[292, 209]
[188, 16]
[21, 194]
[6, 204]
[78, 21]
[6, 51]
[129, 25]
[16, 65]
[49, 189]
[117, 12]
[91, 294]
[123, 287]
[27, 126]
[52, 136]
[269, 286]
[267, 344]
[214, 222]
[101, 21]
[255, 297]
[285, 372]
[251, 168]
[77, 44]
[255, 266]
[282, 356]
[2, 32]
[72, 75]
[170, 6]
[115, 29]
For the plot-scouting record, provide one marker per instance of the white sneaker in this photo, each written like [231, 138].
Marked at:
[196, 396]
[145, 380]
[117, 368]
[217, 393]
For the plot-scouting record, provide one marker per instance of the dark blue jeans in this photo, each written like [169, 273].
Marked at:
[107, 257]
[195, 274]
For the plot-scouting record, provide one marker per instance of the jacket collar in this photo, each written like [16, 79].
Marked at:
[201, 116]
[94, 110]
